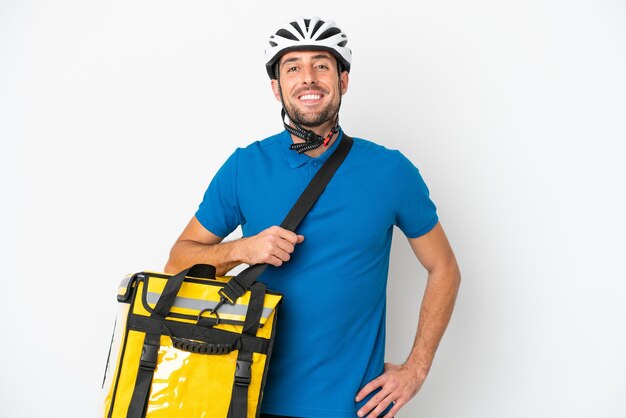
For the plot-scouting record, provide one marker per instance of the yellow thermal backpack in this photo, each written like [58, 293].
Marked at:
[192, 345]
[172, 355]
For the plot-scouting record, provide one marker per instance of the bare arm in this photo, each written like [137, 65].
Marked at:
[197, 245]
[444, 278]
[399, 383]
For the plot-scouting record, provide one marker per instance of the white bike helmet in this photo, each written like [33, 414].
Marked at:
[312, 34]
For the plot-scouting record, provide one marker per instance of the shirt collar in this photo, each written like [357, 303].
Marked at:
[297, 160]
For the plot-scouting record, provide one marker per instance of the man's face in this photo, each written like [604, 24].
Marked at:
[310, 84]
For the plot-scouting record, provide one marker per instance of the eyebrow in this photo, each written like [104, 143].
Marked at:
[294, 59]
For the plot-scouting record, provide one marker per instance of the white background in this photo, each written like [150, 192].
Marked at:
[115, 115]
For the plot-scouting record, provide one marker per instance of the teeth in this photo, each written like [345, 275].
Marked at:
[310, 97]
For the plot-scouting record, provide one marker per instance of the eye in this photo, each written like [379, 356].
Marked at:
[323, 67]
[292, 69]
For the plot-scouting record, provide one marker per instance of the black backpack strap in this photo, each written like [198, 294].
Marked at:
[243, 371]
[239, 284]
[145, 373]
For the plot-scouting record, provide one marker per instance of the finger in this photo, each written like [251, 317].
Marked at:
[367, 389]
[286, 235]
[300, 238]
[285, 245]
[280, 254]
[274, 261]
[373, 403]
[393, 411]
[381, 407]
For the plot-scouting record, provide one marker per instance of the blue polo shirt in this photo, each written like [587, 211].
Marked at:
[330, 336]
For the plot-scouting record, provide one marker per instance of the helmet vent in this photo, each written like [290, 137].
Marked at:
[318, 25]
[328, 33]
[272, 43]
[286, 34]
[297, 27]
[342, 43]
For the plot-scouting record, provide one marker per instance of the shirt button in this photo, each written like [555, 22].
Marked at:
[315, 163]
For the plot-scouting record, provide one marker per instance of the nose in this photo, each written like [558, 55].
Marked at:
[308, 75]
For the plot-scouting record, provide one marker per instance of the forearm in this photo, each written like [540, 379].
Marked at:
[435, 312]
[197, 245]
[399, 383]
[224, 256]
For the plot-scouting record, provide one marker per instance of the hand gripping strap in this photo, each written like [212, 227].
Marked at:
[239, 284]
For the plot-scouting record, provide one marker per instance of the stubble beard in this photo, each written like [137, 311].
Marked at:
[312, 120]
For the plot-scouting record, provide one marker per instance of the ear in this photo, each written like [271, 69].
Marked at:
[344, 80]
[275, 89]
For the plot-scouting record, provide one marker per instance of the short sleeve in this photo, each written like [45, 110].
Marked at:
[219, 211]
[416, 213]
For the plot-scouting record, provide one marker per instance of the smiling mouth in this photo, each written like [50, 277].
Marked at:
[310, 97]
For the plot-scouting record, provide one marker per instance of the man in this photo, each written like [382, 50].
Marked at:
[329, 350]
